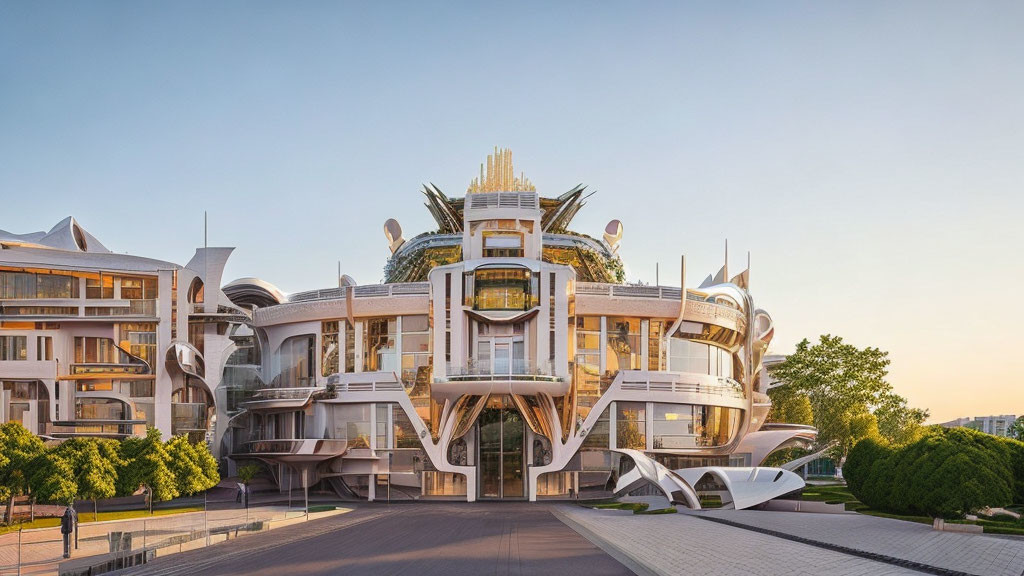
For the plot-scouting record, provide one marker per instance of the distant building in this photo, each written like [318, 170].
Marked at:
[996, 425]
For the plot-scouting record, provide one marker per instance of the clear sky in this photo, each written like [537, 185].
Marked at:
[869, 155]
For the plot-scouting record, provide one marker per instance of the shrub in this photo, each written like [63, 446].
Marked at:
[946, 473]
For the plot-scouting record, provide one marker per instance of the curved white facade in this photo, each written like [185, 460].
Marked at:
[504, 358]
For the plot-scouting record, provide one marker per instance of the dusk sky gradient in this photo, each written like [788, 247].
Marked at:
[870, 155]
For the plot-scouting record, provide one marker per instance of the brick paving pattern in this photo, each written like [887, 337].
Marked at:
[984, 555]
[680, 545]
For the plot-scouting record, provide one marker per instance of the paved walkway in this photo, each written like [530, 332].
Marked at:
[969, 553]
[42, 549]
[422, 538]
[681, 545]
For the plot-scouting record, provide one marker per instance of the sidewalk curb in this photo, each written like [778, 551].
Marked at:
[610, 548]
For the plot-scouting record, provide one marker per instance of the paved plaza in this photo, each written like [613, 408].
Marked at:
[985, 555]
[42, 549]
[523, 538]
[443, 539]
[681, 545]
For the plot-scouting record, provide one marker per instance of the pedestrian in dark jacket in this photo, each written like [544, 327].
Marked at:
[67, 526]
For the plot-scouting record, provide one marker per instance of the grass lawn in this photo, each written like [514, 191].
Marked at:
[87, 517]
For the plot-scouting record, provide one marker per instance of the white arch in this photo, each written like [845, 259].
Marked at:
[747, 487]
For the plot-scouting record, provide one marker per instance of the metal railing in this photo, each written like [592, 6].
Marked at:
[367, 291]
[109, 367]
[669, 382]
[515, 369]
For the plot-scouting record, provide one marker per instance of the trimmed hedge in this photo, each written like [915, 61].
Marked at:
[947, 473]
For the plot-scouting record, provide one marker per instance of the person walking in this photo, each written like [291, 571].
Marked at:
[67, 526]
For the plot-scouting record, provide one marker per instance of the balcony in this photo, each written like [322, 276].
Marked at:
[515, 369]
[294, 450]
[269, 398]
[109, 369]
[514, 376]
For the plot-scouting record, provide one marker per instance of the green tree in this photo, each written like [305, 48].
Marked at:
[842, 382]
[248, 472]
[18, 448]
[1016, 430]
[145, 462]
[52, 478]
[194, 468]
[95, 463]
[208, 464]
[897, 422]
[790, 406]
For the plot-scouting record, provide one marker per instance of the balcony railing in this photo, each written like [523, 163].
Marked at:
[367, 291]
[109, 368]
[640, 380]
[515, 369]
[308, 446]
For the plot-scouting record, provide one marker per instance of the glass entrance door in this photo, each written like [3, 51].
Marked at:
[501, 445]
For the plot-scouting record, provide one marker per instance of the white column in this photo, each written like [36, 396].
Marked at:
[645, 331]
[398, 346]
[357, 333]
[604, 344]
[611, 422]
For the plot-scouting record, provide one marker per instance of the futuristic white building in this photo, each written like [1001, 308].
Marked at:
[502, 358]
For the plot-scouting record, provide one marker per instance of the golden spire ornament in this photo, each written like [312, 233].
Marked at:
[500, 175]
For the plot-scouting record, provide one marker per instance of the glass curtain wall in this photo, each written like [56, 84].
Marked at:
[624, 349]
[700, 358]
[682, 426]
[379, 344]
[587, 367]
[631, 425]
[329, 347]
[23, 285]
[296, 358]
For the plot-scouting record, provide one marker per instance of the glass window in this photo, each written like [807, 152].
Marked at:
[351, 422]
[623, 344]
[586, 368]
[44, 348]
[382, 426]
[99, 409]
[631, 425]
[13, 348]
[18, 285]
[404, 432]
[503, 245]
[379, 344]
[329, 347]
[139, 339]
[655, 355]
[715, 425]
[689, 356]
[673, 427]
[503, 289]
[100, 287]
[296, 361]
[598, 435]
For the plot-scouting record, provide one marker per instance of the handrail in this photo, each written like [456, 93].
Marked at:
[515, 369]
[365, 291]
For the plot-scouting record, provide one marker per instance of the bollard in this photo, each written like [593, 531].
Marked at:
[19, 551]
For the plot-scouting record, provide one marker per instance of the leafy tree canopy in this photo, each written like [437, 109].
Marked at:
[145, 462]
[843, 383]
